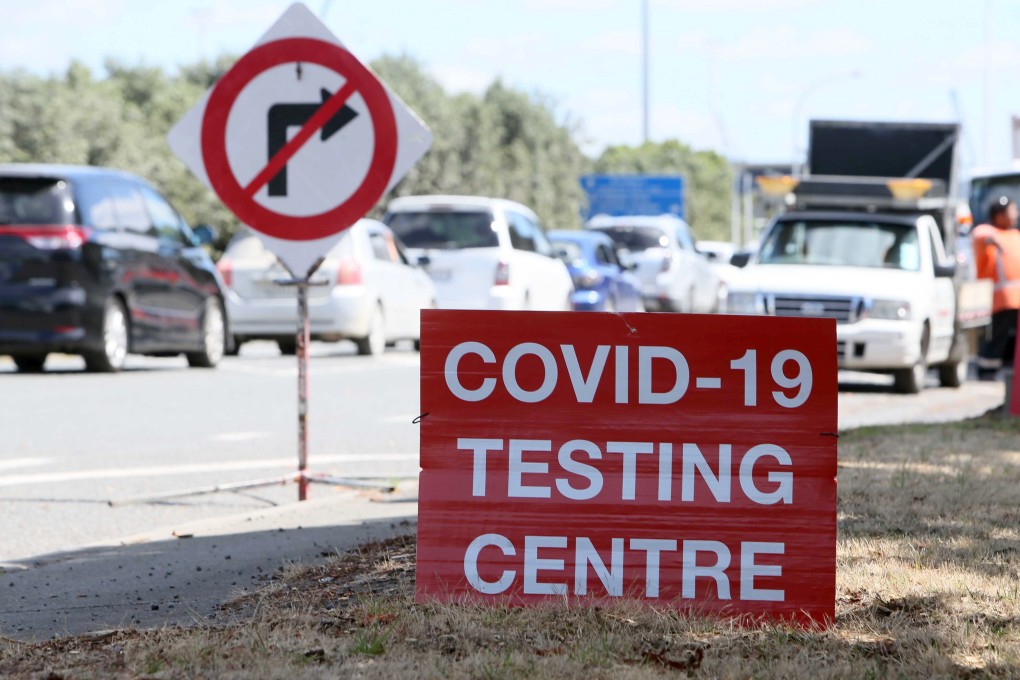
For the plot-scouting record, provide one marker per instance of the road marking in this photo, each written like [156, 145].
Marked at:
[23, 463]
[316, 368]
[238, 436]
[198, 468]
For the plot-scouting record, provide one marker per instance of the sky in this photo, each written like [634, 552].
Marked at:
[741, 77]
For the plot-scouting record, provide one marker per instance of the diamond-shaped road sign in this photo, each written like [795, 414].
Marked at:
[299, 139]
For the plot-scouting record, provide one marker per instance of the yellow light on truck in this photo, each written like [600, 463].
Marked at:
[908, 189]
[777, 185]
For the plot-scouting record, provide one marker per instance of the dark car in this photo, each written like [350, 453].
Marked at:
[96, 262]
[601, 282]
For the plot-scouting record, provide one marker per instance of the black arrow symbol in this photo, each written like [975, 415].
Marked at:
[284, 116]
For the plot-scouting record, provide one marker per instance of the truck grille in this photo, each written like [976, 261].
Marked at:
[842, 309]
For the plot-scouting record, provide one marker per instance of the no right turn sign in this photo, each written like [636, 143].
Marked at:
[299, 139]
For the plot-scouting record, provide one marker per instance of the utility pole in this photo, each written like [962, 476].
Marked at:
[644, 69]
[986, 92]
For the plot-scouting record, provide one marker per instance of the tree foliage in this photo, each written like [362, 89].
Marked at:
[118, 121]
[503, 143]
[708, 178]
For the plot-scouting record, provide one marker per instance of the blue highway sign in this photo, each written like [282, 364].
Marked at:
[634, 195]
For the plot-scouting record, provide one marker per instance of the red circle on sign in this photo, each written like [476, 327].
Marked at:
[214, 139]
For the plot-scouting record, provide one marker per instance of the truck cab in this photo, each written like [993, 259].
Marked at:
[872, 251]
[885, 279]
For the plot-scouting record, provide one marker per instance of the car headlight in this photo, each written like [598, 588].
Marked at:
[888, 309]
[745, 303]
[587, 279]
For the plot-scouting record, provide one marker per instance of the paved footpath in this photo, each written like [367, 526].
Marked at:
[178, 575]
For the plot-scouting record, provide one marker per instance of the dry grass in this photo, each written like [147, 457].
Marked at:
[928, 586]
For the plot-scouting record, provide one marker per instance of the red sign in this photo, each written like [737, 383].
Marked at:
[1014, 399]
[241, 199]
[686, 460]
[299, 139]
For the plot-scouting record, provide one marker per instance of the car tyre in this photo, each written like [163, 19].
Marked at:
[374, 344]
[29, 363]
[234, 349]
[953, 373]
[214, 337]
[911, 380]
[116, 334]
[288, 346]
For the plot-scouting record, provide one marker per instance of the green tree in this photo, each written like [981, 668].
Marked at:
[118, 121]
[707, 174]
[505, 143]
[539, 161]
[441, 168]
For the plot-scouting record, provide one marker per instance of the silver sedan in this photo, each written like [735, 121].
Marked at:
[373, 296]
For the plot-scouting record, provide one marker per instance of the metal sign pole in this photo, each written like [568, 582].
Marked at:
[302, 357]
[303, 477]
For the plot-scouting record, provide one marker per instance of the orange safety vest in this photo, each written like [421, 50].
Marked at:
[997, 257]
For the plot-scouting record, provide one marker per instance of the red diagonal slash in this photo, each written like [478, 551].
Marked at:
[318, 119]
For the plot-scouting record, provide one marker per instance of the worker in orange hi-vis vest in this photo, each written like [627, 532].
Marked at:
[997, 257]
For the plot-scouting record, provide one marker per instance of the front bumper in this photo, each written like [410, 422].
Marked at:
[344, 313]
[500, 298]
[878, 344]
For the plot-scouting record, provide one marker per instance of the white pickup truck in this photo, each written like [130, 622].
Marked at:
[885, 278]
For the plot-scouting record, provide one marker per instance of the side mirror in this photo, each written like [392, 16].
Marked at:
[424, 260]
[204, 234]
[945, 271]
[740, 259]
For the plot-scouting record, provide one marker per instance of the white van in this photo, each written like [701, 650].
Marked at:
[482, 253]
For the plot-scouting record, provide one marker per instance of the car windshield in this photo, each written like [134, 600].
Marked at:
[842, 243]
[568, 251]
[447, 230]
[32, 201]
[636, 238]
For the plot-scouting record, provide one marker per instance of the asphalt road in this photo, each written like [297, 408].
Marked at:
[71, 441]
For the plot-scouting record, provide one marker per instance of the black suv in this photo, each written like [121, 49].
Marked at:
[95, 262]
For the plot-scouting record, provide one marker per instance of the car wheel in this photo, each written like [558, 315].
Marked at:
[911, 380]
[288, 347]
[30, 363]
[113, 355]
[953, 373]
[374, 343]
[214, 337]
[234, 349]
